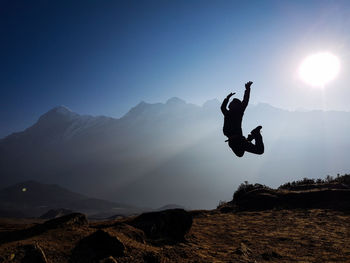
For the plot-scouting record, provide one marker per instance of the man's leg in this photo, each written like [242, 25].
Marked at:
[254, 132]
[257, 148]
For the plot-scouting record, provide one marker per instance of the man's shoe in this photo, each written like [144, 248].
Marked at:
[255, 132]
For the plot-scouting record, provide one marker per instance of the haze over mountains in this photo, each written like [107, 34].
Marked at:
[172, 152]
[33, 199]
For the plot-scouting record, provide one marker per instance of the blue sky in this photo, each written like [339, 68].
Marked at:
[103, 57]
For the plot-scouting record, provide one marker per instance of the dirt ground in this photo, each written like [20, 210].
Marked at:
[267, 236]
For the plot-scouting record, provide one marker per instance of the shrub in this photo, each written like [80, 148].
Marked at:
[247, 187]
[340, 179]
[221, 203]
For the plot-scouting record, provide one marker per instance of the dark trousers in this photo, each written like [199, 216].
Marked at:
[239, 145]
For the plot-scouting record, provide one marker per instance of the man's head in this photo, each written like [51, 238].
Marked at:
[235, 104]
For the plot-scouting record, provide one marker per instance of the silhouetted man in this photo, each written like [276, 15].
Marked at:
[233, 126]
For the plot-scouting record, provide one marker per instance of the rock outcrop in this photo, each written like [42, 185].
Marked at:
[97, 246]
[168, 224]
[32, 253]
[265, 199]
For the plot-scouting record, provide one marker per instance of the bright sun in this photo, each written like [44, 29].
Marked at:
[318, 69]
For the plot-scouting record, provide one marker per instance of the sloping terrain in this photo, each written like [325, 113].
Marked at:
[266, 236]
[303, 221]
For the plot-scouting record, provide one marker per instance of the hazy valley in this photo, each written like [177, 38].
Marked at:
[160, 154]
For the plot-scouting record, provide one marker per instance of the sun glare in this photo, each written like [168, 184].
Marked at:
[318, 69]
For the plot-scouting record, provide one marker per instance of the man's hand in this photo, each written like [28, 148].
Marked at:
[230, 95]
[248, 84]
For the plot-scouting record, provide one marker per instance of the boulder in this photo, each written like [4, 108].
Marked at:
[170, 224]
[97, 246]
[31, 254]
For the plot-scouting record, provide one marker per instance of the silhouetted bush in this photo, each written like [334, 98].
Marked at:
[247, 187]
[339, 179]
[343, 179]
[221, 203]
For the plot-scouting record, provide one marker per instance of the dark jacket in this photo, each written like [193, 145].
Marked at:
[233, 118]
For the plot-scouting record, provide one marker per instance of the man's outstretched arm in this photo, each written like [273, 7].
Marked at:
[225, 102]
[246, 94]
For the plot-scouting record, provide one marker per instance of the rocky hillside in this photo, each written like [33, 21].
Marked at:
[273, 235]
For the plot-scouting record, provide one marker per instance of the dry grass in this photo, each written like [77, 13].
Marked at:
[274, 236]
[277, 236]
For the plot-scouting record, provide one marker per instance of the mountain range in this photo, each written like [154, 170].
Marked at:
[172, 152]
